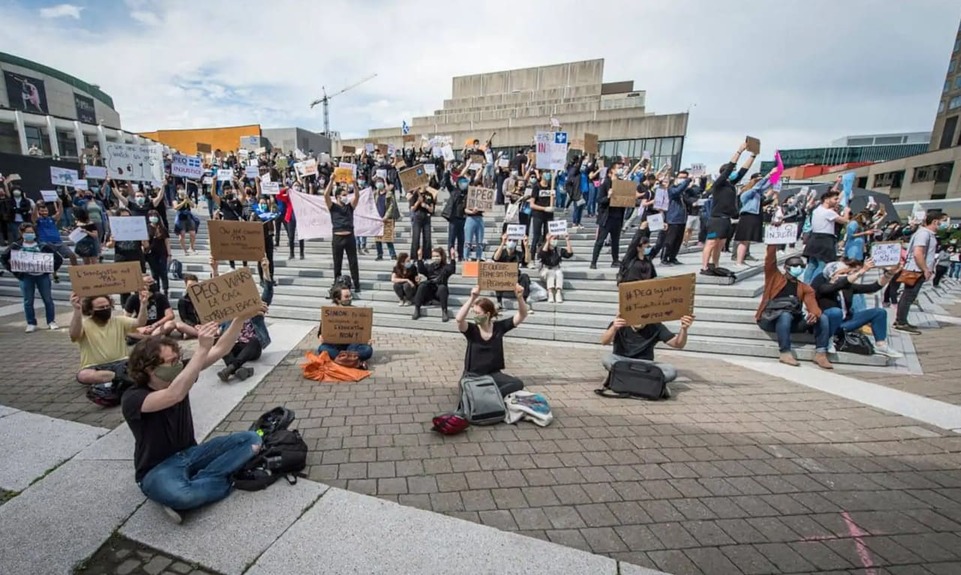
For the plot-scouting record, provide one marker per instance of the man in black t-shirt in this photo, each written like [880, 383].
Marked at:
[636, 343]
[160, 316]
[723, 210]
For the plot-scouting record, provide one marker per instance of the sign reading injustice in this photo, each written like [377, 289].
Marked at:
[497, 276]
[780, 235]
[225, 297]
[659, 300]
[346, 324]
[31, 262]
[106, 279]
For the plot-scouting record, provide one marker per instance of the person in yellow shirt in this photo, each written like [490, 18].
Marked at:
[102, 338]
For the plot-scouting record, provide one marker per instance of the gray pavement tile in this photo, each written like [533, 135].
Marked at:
[349, 533]
[5, 411]
[230, 534]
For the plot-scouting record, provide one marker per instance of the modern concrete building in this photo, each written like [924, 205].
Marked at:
[904, 138]
[288, 139]
[856, 149]
[946, 132]
[518, 103]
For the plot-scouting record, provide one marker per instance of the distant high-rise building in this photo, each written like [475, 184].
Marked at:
[946, 133]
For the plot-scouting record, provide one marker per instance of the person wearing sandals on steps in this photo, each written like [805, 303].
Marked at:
[253, 338]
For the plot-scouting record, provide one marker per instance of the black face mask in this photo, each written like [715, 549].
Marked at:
[154, 288]
[101, 315]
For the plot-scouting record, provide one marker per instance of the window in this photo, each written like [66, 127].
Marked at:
[957, 82]
[947, 84]
[947, 136]
[957, 45]
[954, 103]
[941, 107]
[9, 140]
[951, 66]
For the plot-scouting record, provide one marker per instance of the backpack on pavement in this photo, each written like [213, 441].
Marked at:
[481, 400]
[282, 454]
[634, 380]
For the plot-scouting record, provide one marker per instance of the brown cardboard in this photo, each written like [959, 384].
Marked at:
[343, 175]
[409, 138]
[753, 144]
[106, 279]
[577, 144]
[497, 276]
[655, 301]
[590, 144]
[346, 324]
[481, 199]
[348, 149]
[204, 148]
[382, 148]
[226, 297]
[477, 159]
[231, 240]
[625, 194]
[389, 232]
[413, 178]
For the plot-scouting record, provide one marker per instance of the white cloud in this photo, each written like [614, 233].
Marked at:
[146, 18]
[61, 11]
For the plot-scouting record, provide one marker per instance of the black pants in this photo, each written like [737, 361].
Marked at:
[163, 218]
[672, 242]
[615, 234]
[241, 353]
[278, 223]
[158, 269]
[269, 253]
[427, 292]
[907, 300]
[455, 237]
[346, 244]
[405, 291]
[291, 234]
[939, 272]
[420, 236]
[660, 244]
[525, 282]
[538, 229]
[891, 292]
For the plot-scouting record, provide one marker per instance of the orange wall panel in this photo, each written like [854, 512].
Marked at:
[225, 139]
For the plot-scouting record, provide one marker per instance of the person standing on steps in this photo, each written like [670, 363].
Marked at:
[342, 220]
[421, 209]
[723, 210]
[387, 208]
[822, 247]
[542, 207]
[290, 219]
[438, 272]
[920, 262]
[609, 219]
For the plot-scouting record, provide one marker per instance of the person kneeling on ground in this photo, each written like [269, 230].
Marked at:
[340, 295]
[102, 338]
[254, 337]
[551, 272]
[171, 469]
[780, 310]
[636, 344]
[485, 338]
[835, 288]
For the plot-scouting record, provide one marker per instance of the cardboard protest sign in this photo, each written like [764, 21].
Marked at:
[780, 235]
[753, 144]
[516, 231]
[557, 228]
[226, 297]
[480, 199]
[307, 167]
[270, 188]
[346, 324]
[655, 222]
[95, 172]
[128, 229]
[204, 148]
[106, 279]
[658, 300]
[231, 240]
[478, 159]
[886, 254]
[919, 216]
[497, 276]
[409, 138]
[625, 194]
[51, 196]
[343, 175]
[31, 262]
[413, 178]
[390, 227]
[383, 149]
[348, 149]
[590, 144]
[381, 174]
[551, 150]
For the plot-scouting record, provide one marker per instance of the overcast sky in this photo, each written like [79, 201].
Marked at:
[795, 73]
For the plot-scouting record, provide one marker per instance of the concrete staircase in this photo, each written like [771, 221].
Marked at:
[724, 307]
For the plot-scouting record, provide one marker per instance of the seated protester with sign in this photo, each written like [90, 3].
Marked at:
[485, 338]
[342, 220]
[160, 314]
[438, 272]
[404, 279]
[32, 282]
[171, 468]
[610, 219]
[507, 252]
[551, 272]
[189, 319]
[637, 264]
[103, 338]
[254, 337]
[340, 295]
[723, 209]
[836, 287]
[822, 247]
[780, 310]
[636, 344]
[48, 233]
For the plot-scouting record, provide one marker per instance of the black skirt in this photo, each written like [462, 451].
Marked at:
[822, 247]
[750, 228]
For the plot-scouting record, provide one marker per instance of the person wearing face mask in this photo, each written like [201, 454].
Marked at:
[609, 219]
[342, 220]
[88, 248]
[637, 264]
[723, 210]
[157, 251]
[48, 233]
[422, 204]
[474, 232]
[507, 252]
[404, 279]
[128, 251]
[139, 203]
[485, 338]
[822, 247]
[361, 241]
[455, 214]
[232, 209]
[341, 295]
[635, 344]
[542, 206]
[551, 272]
[942, 264]
[171, 469]
[253, 338]
[438, 272]
[265, 212]
[159, 312]
[387, 208]
[780, 310]
[186, 222]
[920, 262]
[32, 281]
[189, 318]
[21, 208]
[290, 219]
[102, 337]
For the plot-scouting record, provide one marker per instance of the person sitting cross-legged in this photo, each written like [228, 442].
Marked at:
[636, 343]
[102, 337]
[341, 295]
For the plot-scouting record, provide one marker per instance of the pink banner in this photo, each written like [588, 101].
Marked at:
[313, 217]
[778, 170]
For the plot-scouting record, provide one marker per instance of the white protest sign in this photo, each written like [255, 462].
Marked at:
[265, 177]
[49, 195]
[919, 216]
[270, 188]
[349, 166]
[313, 216]
[128, 229]
[225, 175]
[190, 167]
[369, 147]
[430, 169]
[437, 152]
[655, 222]
[780, 235]
[448, 153]
[516, 231]
[253, 162]
[661, 200]
[63, 176]
[95, 172]
[886, 254]
[646, 155]
[381, 174]
[551, 150]
[77, 235]
[697, 170]
[208, 180]
[81, 185]
[252, 172]
[557, 227]
[31, 262]
[134, 162]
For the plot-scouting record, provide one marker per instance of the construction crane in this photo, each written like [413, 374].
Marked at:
[326, 99]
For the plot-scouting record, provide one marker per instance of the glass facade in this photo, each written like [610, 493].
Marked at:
[845, 155]
[662, 150]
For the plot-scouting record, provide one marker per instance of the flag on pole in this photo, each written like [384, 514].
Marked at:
[404, 128]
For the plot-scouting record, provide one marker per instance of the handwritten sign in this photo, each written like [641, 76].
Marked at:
[698, 170]
[346, 324]
[231, 240]
[919, 216]
[270, 188]
[557, 228]
[348, 150]
[448, 153]
[50, 195]
[625, 194]
[204, 148]
[551, 150]
[480, 199]
[503, 163]
[128, 229]
[497, 276]
[134, 162]
[431, 169]
[590, 144]
[226, 297]
[415, 177]
[390, 230]
[208, 180]
[886, 254]
[516, 231]
[186, 166]
[780, 235]
[655, 222]
[63, 176]
[95, 172]
[106, 279]
[654, 301]
[225, 175]
[31, 262]
[478, 159]
[252, 172]
[80, 185]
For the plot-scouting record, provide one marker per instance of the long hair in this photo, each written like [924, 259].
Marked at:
[443, 256]
[146, 355]
[645, 268]
[487, 306]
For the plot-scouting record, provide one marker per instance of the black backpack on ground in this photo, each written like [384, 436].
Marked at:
[634, 380]
[854, 342]
[109, 394]
[282, 454]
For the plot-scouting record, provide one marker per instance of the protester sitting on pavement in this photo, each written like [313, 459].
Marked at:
[636, 344]
[171, 468]
[32, 282]
[780, 310]
[404, 279]
[551, 272]
[160, 314]
[836, 287]
[254, 336]
[341, 295]
[723, 210]
[438, 273]
[485, 338]
[101, 337]
[507, 252]
[48, 233]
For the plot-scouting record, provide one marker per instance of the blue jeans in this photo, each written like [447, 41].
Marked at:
[955, 271]
[30, 284]
[390, 249]
[578, 214]
[877, 317]
[591, 200]
[363, 350]
[474, 233]
[560, 201]
[201, 474]
[787, 324]
[812, 270]
[455, 236]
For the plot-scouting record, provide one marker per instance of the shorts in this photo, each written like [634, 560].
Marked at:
[693, 223]
[62, 249]
[718, 228]
[119, 367]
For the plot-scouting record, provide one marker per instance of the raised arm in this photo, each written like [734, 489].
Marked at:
[461, 317]
[180, 386]
[76, 320]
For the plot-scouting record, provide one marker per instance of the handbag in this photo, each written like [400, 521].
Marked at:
[909, 278]
[777, 306]
[634, 380]
[348, 359]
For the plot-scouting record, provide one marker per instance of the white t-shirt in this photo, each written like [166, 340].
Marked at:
[822, 220]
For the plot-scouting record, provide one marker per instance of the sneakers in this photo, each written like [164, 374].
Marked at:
[832, 348]
[882, 348]
[710, 272]
[907, 328]
[558, 298]
[550, 297]
[173, 514]
[31, 328]
[244, 372]
[53, 326]
[788, 359]
[821, 360]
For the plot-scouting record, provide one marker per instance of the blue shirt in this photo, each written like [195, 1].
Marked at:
[47, 231]
[751, 199]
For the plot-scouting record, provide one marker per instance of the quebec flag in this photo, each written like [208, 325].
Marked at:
[404, 128]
